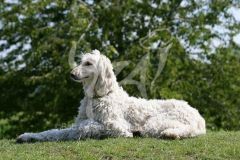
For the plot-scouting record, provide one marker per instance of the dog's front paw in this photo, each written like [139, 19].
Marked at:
[127, 135]
[26, 137]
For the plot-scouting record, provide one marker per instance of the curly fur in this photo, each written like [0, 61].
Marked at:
[108, 111]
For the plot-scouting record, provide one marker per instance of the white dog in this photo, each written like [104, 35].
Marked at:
[108, 111]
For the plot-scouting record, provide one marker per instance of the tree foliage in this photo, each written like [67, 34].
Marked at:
[37, 36]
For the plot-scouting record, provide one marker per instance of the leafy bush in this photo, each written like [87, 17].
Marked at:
[37, 93]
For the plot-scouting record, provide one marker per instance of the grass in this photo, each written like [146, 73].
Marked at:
[213, 145]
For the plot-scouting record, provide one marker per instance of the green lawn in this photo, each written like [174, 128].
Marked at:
[213, 145]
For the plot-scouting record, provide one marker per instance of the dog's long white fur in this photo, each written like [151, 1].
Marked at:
[108, 111]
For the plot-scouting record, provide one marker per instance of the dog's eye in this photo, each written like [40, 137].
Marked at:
[88, 64]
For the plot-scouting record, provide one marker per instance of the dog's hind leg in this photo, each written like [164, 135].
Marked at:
[185, 131]
[171, 130]
[176, 133]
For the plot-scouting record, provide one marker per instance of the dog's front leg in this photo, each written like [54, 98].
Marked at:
[50, 135]
[88, 128]
[118, 128]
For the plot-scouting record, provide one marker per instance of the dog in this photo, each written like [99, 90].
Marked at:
[108, 111]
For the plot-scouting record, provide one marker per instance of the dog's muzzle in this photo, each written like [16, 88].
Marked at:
[73, 76]
[76, 77]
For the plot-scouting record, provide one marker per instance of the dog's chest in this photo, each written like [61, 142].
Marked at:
[89, 109]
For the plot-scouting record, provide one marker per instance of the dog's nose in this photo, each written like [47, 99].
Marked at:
[72, 75]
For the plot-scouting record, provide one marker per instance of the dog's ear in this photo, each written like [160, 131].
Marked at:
[106, 77]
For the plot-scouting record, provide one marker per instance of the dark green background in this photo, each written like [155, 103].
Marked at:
[36, 92]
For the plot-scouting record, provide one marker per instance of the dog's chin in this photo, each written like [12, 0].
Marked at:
[80, 79]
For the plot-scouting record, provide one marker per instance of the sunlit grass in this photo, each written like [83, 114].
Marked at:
[213, 145]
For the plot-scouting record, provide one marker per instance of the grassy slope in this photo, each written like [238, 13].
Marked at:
[214, 145]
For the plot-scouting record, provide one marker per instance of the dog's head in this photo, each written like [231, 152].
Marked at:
[96, 72]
